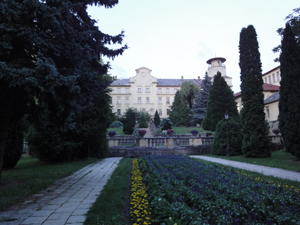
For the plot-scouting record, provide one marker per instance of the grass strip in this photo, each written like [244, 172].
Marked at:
[109, 206]
[279, 159]
[31, 176]
[258, 176]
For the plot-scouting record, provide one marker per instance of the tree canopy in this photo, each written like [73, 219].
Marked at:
[49, 55]
[188, 92]
[254, 129]
[179, 113]
[220, 100]
[199, 108]
[289, 105]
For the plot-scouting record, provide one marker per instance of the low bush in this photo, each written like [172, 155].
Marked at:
[116, 124]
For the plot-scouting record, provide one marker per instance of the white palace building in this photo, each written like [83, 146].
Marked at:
[148, 93]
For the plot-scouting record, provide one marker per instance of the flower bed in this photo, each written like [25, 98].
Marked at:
[185, 191]
[139, 205]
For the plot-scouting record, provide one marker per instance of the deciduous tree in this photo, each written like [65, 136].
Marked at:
[188, 92]
[179, 113]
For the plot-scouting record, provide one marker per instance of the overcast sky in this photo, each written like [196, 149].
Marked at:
[175, 38]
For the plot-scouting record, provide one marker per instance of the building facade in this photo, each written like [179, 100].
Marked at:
[145, 92]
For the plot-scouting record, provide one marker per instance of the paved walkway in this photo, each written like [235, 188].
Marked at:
[66, 201]
[265, 170]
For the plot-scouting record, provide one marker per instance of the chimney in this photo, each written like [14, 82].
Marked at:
[181, 77]
[198, 78]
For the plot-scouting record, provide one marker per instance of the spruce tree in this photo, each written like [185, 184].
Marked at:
[254, 130]
[49, 55]
[156, 119]
[199, 108]
[179, 113]
[289, 104]
[220, 100]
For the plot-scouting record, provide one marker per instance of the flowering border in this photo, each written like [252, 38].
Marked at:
[139, 210]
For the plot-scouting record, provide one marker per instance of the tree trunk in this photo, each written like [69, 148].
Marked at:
[3, 135]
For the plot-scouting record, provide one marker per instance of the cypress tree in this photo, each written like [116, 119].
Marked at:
[179, 113]
[156, 118]
[289, 105]
[220, 100]
[254, 130]
[199, 108]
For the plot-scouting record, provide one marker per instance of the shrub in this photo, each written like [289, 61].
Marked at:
[166, 124]
[194, 132]
[116, 124]
[128, 128]
[276, 131]
[142, 121]
[142, 132]
[112, 133]
[219, 146]
[170, 131]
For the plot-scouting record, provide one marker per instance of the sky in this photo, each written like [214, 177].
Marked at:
[175, 38]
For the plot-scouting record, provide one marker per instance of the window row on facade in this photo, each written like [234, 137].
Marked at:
[119, 112]
[145, 100]
[271, 79]
[147, 90]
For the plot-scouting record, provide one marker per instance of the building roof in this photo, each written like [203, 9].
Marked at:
[270, 87]
[271, 70]
[160, 82]
[266, 87]
[274, 97]
[216, 58]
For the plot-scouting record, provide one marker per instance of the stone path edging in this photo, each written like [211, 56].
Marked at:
[66, 201]
[265, 170]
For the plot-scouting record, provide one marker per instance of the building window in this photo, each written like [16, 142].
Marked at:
[168, 91]
[175, 90]
[168, 110]
[139, 90]
[139, 100]
[127, 101]
[160, 112]
[278, 76]
[119, 100]
[151, 112]
[119, 90]
[119, 112]
[273, 76]
[268, 111]
[147, 90]
[159, 90]
[147, 100]
[270, 79]
[127, 90]
[168, 100]
[159, 100]
[266, 80]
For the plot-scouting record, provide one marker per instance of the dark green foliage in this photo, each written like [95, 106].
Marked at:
[254, 131]
[199, 108]
[188, 92]
[116, 124]
[128, 120]
[179, 113]
[84, 136]
[142, 121]
[219, 147]
[220, 100]
[289, 104]
[166, 124]
[49, 58]
[294, 22]
[156, 118]
[14, 145]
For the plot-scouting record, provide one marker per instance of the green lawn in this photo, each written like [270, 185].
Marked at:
[279, 159]
[31, 176]
[119, 131]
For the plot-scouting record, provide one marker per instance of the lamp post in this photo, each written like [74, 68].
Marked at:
[226, 117]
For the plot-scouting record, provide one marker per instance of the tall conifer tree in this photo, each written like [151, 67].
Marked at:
[179, 113]
[289, 104]
[199, 108]
[220, 100]
[254, 129]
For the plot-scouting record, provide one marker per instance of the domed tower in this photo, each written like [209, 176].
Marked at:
[217, 65]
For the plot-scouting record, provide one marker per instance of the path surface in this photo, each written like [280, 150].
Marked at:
[66, 201]
[268, 171]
